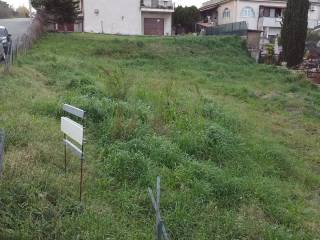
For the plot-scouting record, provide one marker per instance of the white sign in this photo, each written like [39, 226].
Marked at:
[74, 110]
[72, 129]
[74, 149]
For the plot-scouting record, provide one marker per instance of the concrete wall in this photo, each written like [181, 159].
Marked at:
[112, 16]
[253, 40]
[167, 21]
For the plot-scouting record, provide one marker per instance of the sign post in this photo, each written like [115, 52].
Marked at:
[2, 136]
[74, 138]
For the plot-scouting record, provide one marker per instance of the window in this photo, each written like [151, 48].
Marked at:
[272, 12]
[247, 12]
[278, 12]
[3, 32]
[266, 12]
[226, 13]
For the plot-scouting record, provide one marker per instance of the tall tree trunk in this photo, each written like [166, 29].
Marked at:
[294, 31]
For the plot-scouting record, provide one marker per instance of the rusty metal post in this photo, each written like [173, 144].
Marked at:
[81, 179]
[82, 159]
[2, 139]
[65, 155]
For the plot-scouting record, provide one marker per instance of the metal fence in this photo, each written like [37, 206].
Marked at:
[2, 137]
[237, 28]
[161, 232]
[20, 45]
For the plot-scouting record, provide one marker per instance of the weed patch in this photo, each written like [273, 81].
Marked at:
[236, 143]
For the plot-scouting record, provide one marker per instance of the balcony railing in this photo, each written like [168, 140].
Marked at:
[313, 23]
[270, 22]
[157, 4]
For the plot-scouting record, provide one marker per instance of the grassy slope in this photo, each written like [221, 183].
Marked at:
[236, 144]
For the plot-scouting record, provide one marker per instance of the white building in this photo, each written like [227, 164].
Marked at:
[263, 15]
[128, 17]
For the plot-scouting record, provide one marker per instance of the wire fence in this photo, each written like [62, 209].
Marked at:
[161, 232]
[20, 45]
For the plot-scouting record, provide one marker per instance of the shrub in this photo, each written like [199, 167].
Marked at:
[209, 182]
[216, 113]
[127, 167]
[140, 44]
[159, 150]
[214, 143]
[165, 152]
[117, 85]
[220, 142]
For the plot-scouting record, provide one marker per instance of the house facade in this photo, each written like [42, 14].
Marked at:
[262, 15]
[128, 17]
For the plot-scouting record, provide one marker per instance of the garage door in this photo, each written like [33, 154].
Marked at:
[69, 27]
[154, 26]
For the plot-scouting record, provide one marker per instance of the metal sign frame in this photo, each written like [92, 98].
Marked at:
[2, 141]
[74, 132]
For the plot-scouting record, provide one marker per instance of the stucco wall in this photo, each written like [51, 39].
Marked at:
[232, 7]
[236, 7]
[167, 21]
[253, 21]
[114, 17]
[314, 16]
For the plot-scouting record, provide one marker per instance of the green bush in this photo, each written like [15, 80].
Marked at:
[165, 153]
[117, 84]
[127, 167]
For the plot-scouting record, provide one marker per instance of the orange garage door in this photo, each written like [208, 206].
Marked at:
[154, 26]
[69, 27]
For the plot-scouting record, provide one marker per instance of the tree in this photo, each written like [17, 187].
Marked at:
[58, 11]
[22, 12]
[186, 17]
[294, 31]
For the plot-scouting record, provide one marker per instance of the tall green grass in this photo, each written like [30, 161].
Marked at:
[236, 144]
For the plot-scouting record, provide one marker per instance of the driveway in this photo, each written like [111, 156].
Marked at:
[16, 26]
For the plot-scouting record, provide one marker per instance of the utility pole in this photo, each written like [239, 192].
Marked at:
[30, 8]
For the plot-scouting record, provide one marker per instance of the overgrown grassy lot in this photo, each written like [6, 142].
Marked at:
[236, 144]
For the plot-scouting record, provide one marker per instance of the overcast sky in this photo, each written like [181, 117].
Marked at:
[17, 3]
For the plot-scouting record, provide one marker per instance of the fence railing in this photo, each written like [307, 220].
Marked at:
[237, 28]
[20, 45]
[162, 4]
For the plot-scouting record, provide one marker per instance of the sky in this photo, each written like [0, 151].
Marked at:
[17, 3]
[189, 2]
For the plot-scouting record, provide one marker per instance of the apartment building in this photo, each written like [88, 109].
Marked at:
[128, 17]
[262, 15]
